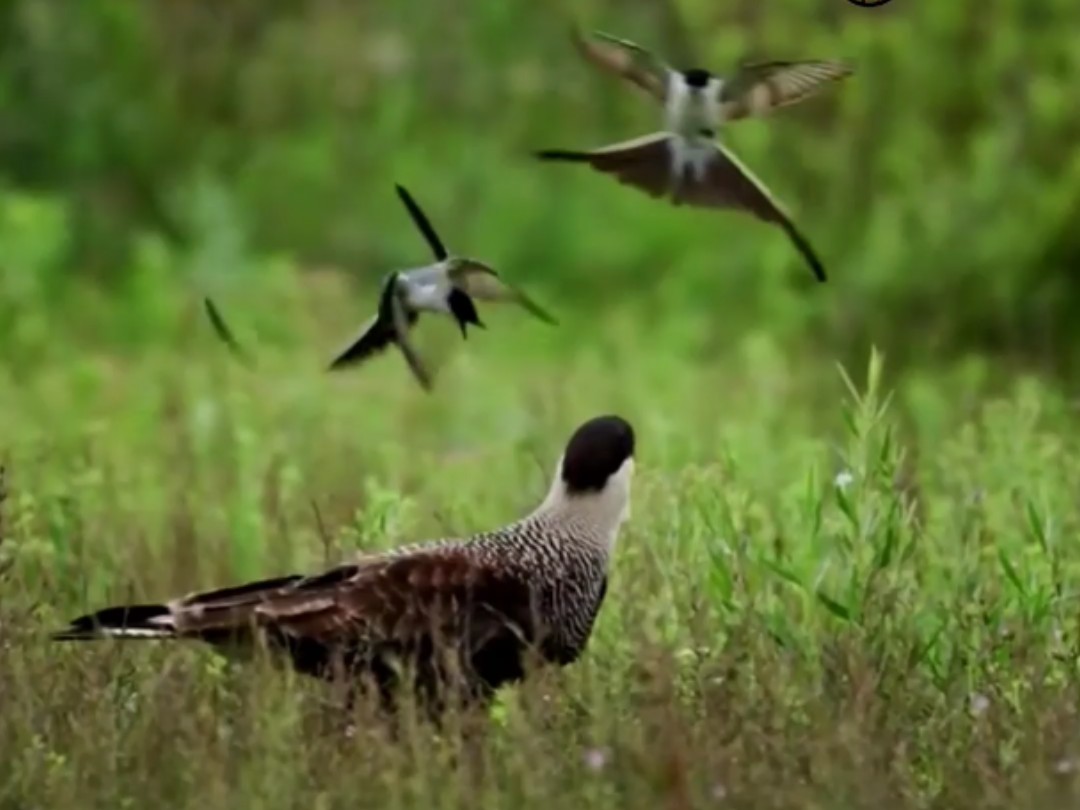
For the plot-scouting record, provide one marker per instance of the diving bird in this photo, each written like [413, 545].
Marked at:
[445, 618]
[449, 286]
[685, 162]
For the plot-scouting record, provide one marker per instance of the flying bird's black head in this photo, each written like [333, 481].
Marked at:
[463, 309]
[597, 450]
[696, 77]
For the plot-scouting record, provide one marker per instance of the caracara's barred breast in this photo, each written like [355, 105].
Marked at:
[563, 568]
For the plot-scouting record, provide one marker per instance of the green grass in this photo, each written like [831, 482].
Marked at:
[773, 635]
[771, 638]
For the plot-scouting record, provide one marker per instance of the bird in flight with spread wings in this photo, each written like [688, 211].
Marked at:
[450, 286]
[685, 163]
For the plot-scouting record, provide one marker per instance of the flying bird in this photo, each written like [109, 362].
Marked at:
[448, 286]
[685, 162]
[221, 328]
[463, 616]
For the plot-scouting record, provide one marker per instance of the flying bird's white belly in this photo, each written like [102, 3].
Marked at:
[690, 157]
[429, 296]
[693, 111]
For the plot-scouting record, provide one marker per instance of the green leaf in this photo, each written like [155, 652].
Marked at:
[833, 606]
[1037, 525]
[1011, 573]
[783, 573]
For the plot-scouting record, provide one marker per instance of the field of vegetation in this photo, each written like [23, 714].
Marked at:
[851, 577]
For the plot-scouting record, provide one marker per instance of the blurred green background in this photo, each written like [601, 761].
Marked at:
[820, 598]
[153, 150]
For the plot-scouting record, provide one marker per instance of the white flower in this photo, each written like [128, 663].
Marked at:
[978, 703]
[596, 759]
[1067, 765]
[843, 479]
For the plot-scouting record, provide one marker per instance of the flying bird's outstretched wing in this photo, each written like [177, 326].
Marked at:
[221, 328]
[374, 337]
[761, 87]
[423, 224]
[728, 183]
[390, 326]
[624, 58]
[480, 281]
[644, 163]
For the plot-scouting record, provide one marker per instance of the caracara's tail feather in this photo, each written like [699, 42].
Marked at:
[219, 616]
[127, 621]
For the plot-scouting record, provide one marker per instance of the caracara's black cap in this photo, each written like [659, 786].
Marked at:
[595, 452]
[696, 77]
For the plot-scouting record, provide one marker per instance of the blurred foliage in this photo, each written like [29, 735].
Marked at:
[829, 595]
[178, 140]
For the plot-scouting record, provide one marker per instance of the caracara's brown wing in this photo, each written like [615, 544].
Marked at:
[644, 163]
[759, 88]
[727, 183]
[374, 614]
[407, 600]
[379, 609]
[224, 615]
[625, 59]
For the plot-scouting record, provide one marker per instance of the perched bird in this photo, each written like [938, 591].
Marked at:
[465, 615]
[685, 162]
[448, 286]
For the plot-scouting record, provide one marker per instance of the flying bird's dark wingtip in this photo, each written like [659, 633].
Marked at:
[558, 154]
[538, 311]
[422, 223]
[342, 360]
[802, 244]
[816, 266]
[338, 363]
[211, 311]
[224, 333]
